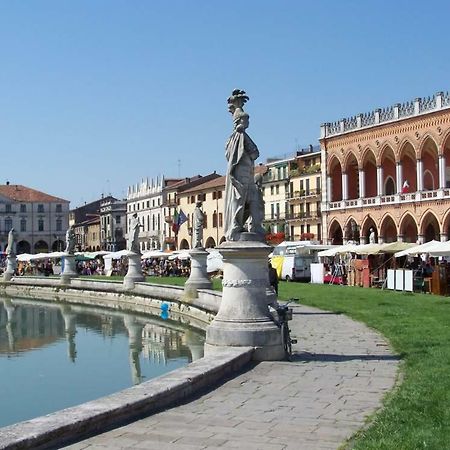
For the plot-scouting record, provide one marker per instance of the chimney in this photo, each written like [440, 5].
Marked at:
[7, 183]
[310, 148]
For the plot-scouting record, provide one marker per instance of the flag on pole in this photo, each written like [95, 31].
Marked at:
[175, 222]
[178, 219]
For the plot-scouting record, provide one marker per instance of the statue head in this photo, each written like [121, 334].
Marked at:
[199, 204]
[236, 100]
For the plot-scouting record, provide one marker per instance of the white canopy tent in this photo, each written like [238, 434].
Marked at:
[442, 250]
[428, 247]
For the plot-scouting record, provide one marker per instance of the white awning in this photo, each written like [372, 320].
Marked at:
[428, 247]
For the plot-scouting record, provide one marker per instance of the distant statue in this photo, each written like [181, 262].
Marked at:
[199, 221]
[133, 234]
[242, 199]
[11, 247]
[372, 237]
[70, 241]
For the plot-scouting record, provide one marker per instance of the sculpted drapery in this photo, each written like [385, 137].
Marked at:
[242, 196]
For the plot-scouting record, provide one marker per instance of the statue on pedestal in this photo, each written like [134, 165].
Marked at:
[11, 247]
[70, 241]
[199, 220]
[242, 199]
[133, 235]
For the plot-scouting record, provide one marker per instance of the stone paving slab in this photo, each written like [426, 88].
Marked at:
[340, 373]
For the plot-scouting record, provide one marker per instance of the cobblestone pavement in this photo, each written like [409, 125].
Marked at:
[338, 377]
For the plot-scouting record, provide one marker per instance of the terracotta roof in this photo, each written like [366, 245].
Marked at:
[20, 193]
[216, 182]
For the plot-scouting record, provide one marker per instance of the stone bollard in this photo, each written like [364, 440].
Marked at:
[134, 272]
[11, 266]
[198, 278]
[69, 270]
[243, 319]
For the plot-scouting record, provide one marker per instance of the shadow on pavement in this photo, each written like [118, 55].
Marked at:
[327, 357]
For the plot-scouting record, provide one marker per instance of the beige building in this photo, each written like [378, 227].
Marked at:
[172, 194]
[389, 170]
[40, 220]
[211, 193]
[276, 191]
[87, 235]
[304, 221]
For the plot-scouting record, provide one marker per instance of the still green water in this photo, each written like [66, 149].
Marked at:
[53, 356]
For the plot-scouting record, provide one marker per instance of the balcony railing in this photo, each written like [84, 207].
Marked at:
[304, 216]
[303, 194]
[411, 197]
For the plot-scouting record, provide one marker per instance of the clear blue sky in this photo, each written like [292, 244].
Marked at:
[97, 94]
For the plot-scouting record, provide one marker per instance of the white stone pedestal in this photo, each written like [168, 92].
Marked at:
[243, 319]
[198, 278]
[134, 272]
[70, 269]
[11, 265]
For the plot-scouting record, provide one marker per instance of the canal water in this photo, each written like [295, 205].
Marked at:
[53, 356]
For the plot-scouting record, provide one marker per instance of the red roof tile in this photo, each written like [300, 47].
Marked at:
[20, 193]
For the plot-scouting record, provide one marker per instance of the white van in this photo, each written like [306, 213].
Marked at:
[292, 260]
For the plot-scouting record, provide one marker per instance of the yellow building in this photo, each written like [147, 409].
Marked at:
[211, 193]
[304, 196]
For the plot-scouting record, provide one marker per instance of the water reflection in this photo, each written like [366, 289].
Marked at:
[86, 337]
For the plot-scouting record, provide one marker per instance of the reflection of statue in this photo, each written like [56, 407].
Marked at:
[199, 219]
[372, 236]
[11, 247]
[242, 199]
[70, 241]
[133, 234]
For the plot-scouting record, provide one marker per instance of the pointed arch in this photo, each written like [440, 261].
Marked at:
[369, 166]
[366, 226]
[335, 235]
[388, 229]
[408, 158]
[335, 173]
[428, 152]
[389, 176]
[429, 226]
[351, 230]
[408, 227]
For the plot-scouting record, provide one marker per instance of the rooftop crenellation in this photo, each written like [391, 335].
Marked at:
[392, 113]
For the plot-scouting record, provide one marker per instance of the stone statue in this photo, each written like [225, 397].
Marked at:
[70, 241]
[242, 199]
[11, 247]
[372, 236]
[133, 234]
[199, 220]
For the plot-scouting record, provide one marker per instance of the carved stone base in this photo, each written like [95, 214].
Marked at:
[69, 270]
[244, 319]
[11, 265]
[134, 271]
[198, 278]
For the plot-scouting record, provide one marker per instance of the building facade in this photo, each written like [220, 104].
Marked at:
[275, 191]
[388, 170]
[211, 193]
[146, 199]
[304, 218]
[113, 224]
[172, 203]
[40, 220]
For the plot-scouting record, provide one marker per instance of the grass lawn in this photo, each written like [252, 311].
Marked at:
[417, 413]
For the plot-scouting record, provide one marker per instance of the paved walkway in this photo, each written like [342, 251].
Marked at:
[340, 373]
